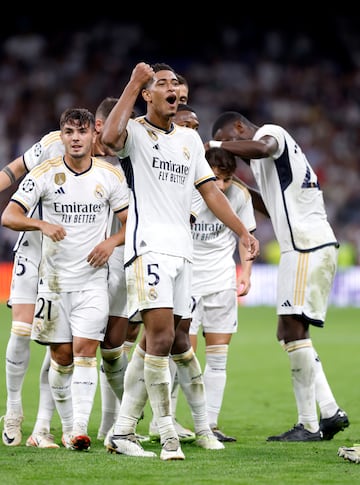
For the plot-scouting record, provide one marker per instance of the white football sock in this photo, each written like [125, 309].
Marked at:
[114, 362]
[135, 395]
[192, 385]
[302, 364]
[109, 403]
[215, 380]
[324, 396]
[158, 385]
[175, 387]
[46, 402]
[323, 393]
[60, 377]
[127, 346]
[17, 362]
[83, 389]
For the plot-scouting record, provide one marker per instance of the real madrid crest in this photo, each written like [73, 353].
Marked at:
[153, 294]
[99, 191]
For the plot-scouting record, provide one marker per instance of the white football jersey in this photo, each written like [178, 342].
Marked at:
[50, 146]
[28, 243]
[82, 203]
[292, 195]
[214, 267]
[162, 169]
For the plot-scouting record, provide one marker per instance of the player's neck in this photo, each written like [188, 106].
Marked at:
[78, 165]
[163, 122]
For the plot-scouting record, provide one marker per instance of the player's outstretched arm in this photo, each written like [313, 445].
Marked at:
[114, 130]
[14, 217]
[11, 173]
[220, 206]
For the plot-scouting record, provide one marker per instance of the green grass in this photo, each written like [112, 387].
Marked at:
[258, 402]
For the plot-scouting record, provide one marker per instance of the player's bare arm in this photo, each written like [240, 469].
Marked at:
[102, 252]
[11, 173]
[14, 217]
[244, 280]
[247, 149]
[114, 131]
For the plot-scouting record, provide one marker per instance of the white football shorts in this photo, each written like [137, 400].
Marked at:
[156, 280]
[216, 313]
[24, 281]
[304, 283]
[117, 284]
[60, 316]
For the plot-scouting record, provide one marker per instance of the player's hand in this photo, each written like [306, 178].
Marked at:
[54, 231]
[253, 247]
[101, 253]
[243, 285]
[142, 74]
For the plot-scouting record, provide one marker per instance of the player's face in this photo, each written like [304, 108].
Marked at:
[163, 94]
[228, 132]
[223, 180]
[78, 140]
[187, 118]
[183, 94]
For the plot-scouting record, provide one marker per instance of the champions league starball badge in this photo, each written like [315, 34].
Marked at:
[27, 185]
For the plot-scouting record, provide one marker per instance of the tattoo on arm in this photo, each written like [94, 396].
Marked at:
[10, 174]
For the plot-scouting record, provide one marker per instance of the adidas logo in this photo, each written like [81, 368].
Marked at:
[60, 191]
[286, 303]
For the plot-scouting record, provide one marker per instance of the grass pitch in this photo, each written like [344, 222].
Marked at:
[258, 402]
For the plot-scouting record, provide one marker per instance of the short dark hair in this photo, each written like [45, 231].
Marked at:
[185, 107]
[182, 79]
[161, 66]
[78, 117]
[226, 118]
[105, 107]
[221, 159]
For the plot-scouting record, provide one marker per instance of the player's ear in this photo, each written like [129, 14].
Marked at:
[238, 125]
[99, 125]
[146, 94]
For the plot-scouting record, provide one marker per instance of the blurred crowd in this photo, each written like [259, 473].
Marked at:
[308, 83]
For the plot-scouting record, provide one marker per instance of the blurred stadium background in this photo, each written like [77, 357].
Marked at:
[304, 75]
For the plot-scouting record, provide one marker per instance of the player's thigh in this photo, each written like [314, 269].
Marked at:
[52, 318]
[116, 332]
[220, 312]
[89, 314]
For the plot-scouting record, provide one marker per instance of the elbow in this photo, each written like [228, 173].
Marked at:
[110, 139]
[5, 221]
[107, 140]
